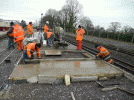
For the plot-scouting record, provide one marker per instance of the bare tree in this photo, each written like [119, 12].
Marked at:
[114, 26]
[86, 22]
[126, 29]
[71, 10]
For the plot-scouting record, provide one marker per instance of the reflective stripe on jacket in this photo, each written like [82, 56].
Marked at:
[30, 48]
[46, 29]
[49, 34]
[19, 33]
[80, 34]
[103, 52]
[30, 29]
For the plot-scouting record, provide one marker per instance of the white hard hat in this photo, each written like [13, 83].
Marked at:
[47, 22]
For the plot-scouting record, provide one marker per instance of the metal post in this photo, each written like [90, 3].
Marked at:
[36, 24]
[41, 21]
[132, 38]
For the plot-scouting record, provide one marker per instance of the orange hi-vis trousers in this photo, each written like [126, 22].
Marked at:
[79, 43]
[19, 45]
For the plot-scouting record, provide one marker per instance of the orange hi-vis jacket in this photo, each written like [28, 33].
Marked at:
[11, 34]
[79, 34]
[31, 49]
[30, 29]
[49, 34]
[103, 52]
[46, 29]
[18, 33]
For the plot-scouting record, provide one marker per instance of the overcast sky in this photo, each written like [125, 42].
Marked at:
[101, 12]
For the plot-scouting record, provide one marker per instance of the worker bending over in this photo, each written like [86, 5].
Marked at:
[50, 37]
[103, 53]
[79, 37]
[11, 36]
[29, 49]
[46, 29]
[18, 36]
[30, 29]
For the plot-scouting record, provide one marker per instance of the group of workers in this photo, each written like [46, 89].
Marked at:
[16, 33]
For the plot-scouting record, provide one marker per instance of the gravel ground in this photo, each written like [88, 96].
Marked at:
[81, 91]
[7, 68]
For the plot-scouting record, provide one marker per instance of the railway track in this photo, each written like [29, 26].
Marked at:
[111, 47]
[8, 58]
[118, 62]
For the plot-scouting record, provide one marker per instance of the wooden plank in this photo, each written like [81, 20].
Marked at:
[67, 80]
[73, 96]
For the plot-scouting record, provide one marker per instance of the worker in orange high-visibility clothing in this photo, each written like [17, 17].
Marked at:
[103, 53]
[46, 29]
[79, 37]
[30, 29]
[50, 37]
[29, 49]
[18, 36]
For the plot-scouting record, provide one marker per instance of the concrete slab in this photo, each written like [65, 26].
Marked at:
[50, 70]
[53, 52]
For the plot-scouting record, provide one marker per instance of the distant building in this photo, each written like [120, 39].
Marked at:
[4, 25]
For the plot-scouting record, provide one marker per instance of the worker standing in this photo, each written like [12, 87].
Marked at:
[30, 29]
[79, 37]
[11, 36]
[46, 29]
[50, 37]
[103, 53]
[18, 36]
[29, 49]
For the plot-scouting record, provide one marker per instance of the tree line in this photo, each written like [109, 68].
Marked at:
[70, 16]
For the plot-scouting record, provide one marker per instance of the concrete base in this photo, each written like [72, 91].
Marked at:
[84, 78]
[50, 70]
[46, 79]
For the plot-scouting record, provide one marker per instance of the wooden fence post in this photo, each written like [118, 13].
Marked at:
[132, 38]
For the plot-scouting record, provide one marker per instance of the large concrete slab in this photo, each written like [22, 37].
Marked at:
[58, 69]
